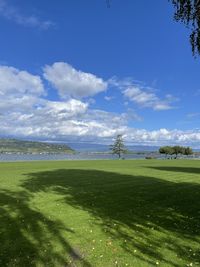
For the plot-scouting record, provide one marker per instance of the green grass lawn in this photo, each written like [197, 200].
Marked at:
[100, 213]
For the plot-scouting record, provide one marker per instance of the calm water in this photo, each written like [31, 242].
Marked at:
[79, 156]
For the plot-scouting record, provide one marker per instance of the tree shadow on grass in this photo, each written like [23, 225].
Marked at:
[25, 234]
[191, 170]
[146, 212]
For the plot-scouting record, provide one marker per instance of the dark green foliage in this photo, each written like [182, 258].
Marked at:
[167, 150]
[118, 147]
[175, 150]
[188, 151]
[188, 12]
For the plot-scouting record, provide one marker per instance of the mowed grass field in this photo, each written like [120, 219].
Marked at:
[100, 213]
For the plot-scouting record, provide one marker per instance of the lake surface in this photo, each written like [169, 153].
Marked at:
[78, 156]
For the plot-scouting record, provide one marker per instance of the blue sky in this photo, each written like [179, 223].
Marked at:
[79, 71]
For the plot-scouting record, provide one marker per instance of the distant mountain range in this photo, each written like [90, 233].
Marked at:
[88, 147]
[20, 146]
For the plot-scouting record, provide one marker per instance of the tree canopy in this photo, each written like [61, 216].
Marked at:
[188, 12]
[175, 150]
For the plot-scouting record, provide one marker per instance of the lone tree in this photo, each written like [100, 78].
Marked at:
[118, 147]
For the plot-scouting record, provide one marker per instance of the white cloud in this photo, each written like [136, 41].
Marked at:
[25, 113]
[19, 90]
[71, 120]
[142, 95]
[64, 110]
[12, 13]
[164, 136]
[147, 99]
[73, 83]
[14, 82]
[23, 103]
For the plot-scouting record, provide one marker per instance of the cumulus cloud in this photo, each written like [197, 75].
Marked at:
[72, 121]
[14, 81]
[12, 13]
[164, 137]
[25, 112]
[73, 83]
[19, 90]
[52, 125]
[64, 110]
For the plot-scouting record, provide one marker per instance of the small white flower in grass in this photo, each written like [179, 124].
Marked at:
[135, 251]
[157, 263]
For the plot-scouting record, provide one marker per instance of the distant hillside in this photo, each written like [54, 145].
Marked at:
[20, 146]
